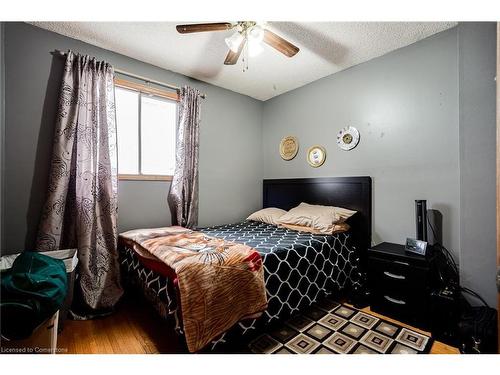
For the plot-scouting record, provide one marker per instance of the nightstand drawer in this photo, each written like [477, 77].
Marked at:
[400, 290]
[404, 308]
[397, 273]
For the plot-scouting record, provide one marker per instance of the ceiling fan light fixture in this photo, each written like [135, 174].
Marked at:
[234, 41]
[256, 33]
[248, 38]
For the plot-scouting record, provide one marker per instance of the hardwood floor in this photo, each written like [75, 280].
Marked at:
[136, 328]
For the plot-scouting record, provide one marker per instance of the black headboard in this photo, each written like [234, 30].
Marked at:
[354, 193]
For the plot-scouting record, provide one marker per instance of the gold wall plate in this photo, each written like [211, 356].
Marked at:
[316, 156]
[289, 146]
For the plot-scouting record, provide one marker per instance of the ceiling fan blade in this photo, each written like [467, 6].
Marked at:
[232, 57]
[280, 44]
[202, 27]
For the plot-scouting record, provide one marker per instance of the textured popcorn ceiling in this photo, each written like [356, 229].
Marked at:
[325, 48]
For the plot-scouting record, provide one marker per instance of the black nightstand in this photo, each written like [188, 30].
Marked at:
[400, 283]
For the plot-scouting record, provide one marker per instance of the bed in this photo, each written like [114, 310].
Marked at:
[299, 268]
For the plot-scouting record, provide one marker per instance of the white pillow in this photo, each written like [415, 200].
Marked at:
[269, 215]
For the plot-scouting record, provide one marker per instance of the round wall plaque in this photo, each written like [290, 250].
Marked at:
[289, 146]
[348, 138]
[316, 156]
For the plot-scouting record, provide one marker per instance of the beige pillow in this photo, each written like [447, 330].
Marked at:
[320, 218]
[343, 214]
[267, 215]
[337, 228]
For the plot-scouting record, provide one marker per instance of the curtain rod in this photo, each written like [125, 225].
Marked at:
[142, 78]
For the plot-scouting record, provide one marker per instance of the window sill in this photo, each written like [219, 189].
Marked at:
[143, 177]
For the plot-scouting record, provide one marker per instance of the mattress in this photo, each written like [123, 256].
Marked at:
[299, 269]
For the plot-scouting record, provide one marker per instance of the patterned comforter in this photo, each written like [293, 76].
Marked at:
[220, 282]
[299, 269]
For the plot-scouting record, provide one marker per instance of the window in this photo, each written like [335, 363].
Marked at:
[145, 120]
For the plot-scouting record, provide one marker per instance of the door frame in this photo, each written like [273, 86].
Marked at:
[498, 174]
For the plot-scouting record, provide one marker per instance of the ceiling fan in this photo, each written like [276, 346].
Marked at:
[247, 33]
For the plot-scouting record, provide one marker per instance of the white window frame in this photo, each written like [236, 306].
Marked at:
[143, 89]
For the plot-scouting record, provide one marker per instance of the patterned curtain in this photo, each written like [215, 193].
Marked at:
[81, 206]
[183, 194]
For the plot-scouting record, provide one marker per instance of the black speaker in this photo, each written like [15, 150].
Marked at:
[446, 307]
[421, 219]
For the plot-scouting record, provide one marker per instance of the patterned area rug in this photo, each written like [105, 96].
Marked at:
[332, 328]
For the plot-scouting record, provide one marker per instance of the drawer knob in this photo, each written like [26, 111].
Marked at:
[393, 300]
[394, 276]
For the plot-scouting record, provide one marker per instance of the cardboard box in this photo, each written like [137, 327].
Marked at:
[42, 341]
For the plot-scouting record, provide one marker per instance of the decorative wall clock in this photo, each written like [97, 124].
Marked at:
[289, 146]
[348, 138]
[316, 156]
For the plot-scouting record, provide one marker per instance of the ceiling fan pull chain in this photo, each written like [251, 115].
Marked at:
[244, 58]
[245, 69]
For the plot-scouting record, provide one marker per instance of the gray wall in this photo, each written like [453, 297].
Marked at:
[230, 157]
[477, 69]
[405, 105]
[2, 128]
[426, 114]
